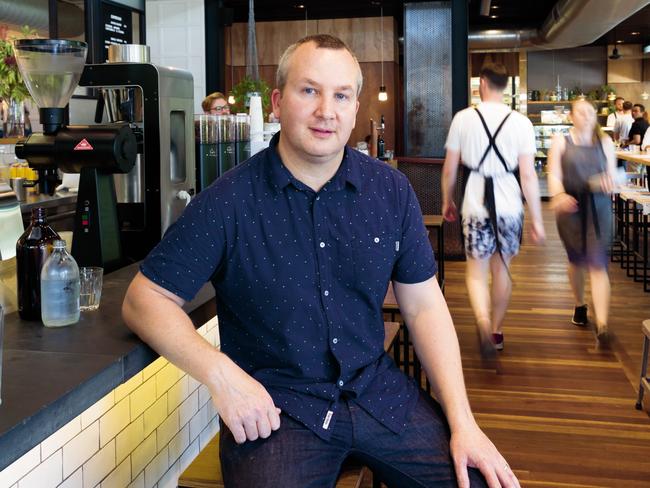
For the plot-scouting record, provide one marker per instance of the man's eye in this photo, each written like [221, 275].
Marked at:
[309, 91]
[342, 97]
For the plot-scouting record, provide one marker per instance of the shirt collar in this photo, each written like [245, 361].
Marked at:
[279, 176]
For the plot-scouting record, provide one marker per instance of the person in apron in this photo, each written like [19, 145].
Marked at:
[581, 171]
[493, 143]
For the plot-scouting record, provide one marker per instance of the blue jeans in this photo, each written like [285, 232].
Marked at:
[295, 457]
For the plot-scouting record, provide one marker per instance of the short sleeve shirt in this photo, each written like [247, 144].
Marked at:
[467, 136]
[300, 277]
[639, 127]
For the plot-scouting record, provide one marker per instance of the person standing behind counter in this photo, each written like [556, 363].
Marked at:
[492, 142]
[584, 214]
[215, 104]
[300, 242]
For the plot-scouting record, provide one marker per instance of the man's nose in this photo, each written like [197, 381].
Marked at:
[325, 107]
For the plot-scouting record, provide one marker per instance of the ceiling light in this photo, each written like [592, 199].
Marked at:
[231, 99]
[494, 16]
[644, 95]
[382, 96]
[635, 33]
[495, 6]
[619, 42]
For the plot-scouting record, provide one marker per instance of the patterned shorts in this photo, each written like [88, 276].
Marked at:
[479, 237]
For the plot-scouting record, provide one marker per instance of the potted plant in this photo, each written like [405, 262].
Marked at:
[242, 90]
[12, 88]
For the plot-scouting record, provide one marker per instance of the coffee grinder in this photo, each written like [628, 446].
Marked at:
[51, 70]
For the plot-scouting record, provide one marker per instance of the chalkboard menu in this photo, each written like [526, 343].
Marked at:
[117, 26]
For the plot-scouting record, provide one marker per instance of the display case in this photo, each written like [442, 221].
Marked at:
[544, 134]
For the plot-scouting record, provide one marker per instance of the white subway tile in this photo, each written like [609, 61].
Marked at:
[60, 437]
[48, 474]
[174, 14]
[189, 455]
[20, 467]
[199, 422]
[168, 429]
[113, 421]
[125, 388]
[155, 415]
[209, 432]
[179, 443]
[98, 466]
[177, 394]
[143, 396]
[159, 363]
[119, 477]
[189, 407]
[143, 454]
[166, 378]
[127, 440]
[80, 449]
[195, 13]
[193, 384]
[75, 480]
[156, 468]
[170, 478]
[204, 395]
[97, 409]
[138, 482]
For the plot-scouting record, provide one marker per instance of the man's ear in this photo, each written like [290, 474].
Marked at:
[276, 96]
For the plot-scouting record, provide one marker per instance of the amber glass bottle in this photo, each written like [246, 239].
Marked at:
[32, 250]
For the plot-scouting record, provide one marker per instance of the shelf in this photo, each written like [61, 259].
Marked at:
[559, 102]
[9, 140]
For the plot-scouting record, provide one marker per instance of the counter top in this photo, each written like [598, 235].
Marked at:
[46, 201]
[641, 158]
[49, 376]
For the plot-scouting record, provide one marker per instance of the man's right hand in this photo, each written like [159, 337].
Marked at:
[564, 203]
[244, 404]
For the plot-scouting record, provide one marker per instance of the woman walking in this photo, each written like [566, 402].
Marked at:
[581, 172]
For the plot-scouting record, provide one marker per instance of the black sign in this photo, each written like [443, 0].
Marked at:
[117, 26]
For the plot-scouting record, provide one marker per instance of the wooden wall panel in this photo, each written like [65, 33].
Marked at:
[362, 35]
[627, 69]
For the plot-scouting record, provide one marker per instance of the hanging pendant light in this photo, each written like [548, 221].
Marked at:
[382, 96]
[231, 97]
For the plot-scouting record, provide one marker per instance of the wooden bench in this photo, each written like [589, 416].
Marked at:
[205, 470]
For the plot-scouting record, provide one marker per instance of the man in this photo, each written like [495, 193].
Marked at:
[300, 242]
[619, 112]
[624, 124]
[492, 142]
[215, 104]
[640, 125]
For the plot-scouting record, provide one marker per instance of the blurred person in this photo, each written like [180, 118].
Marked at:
[619, 112]
[317, 229]
[581, 174]
[624, 124]
[492, 142]
[215, 104]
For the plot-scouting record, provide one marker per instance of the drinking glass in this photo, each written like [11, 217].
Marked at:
[90, 290]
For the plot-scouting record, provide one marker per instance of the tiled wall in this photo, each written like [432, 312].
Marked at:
[176, 34]
[142, 434]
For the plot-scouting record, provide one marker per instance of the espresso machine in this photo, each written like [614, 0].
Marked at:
[136, 162]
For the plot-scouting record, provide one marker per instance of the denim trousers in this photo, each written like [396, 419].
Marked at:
[295, 457]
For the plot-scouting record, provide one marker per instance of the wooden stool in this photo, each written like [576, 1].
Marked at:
[205, 470]
[644, 382]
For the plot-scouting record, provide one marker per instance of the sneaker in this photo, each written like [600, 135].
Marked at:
[580, 315]
[497, 340]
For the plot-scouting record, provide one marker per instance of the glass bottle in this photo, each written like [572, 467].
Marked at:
[381, 145]
[32, 250]
[60, 288]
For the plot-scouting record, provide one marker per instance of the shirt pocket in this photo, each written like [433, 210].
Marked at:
[374, 257]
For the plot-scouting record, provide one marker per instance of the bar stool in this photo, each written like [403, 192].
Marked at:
[644, 382]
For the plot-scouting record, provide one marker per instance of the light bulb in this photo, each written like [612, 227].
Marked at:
[611, 96]
[644, 95]
[383, 96]
[231, 100]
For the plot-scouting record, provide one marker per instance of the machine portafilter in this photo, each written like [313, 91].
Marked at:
[51, 69]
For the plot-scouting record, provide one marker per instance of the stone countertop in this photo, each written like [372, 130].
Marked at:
[51, 375]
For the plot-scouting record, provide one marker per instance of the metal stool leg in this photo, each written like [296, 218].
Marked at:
[644, 370]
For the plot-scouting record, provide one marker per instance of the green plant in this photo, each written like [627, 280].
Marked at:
[241, 90]
[11, 82]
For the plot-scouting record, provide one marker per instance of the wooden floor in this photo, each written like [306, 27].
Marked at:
[559, 408]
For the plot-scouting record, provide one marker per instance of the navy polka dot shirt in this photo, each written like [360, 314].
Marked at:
[300, 277]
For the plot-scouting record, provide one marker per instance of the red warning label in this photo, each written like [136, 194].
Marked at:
[83, 145]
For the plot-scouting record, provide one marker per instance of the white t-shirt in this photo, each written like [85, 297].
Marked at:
[623, 125]
[646, 139]
[516, 138]
[613, 117]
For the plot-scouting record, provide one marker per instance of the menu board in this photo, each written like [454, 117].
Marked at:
[117, 26]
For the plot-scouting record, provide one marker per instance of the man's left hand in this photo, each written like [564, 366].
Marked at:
[471, 448]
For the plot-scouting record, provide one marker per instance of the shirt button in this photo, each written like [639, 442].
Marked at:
[322, 244]
[376, 239]
[317, 198]
[335, 340]
[326, 293]
[340, 382]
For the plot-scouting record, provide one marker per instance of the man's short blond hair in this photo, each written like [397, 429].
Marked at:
[322, 41]
[206, 104]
